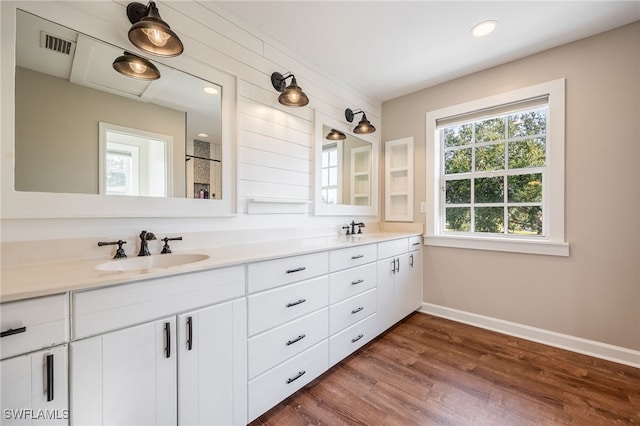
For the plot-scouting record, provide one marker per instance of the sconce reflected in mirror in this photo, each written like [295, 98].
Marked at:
[291, 95]
[150, 33]
[364, 126]
[134, 66]
[335, 135]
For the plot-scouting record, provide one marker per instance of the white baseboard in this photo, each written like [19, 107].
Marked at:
[564, 341]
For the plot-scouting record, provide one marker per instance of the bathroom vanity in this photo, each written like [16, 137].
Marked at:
[216, 341]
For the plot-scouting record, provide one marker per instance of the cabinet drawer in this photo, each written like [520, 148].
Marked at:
[275, 385]
[352, 256]
[351, 339]
[274, 273]
[415, 243]
[32, 324]
[281, 343]
[393, 248]
[277, 306]
[111, 308]
[350, 282]
[350, 311]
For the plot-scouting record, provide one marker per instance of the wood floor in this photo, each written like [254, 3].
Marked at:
[431, 371]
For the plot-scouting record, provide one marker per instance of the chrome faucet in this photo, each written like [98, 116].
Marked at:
[144, 247]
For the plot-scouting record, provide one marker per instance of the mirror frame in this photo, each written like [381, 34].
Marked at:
[40, 205]
[322, 119]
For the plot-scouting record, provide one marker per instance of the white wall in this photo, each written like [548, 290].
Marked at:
[274, 144]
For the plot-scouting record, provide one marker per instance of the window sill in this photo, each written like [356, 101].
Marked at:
[499, 244]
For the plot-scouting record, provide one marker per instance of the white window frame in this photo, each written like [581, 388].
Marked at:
[553, 242]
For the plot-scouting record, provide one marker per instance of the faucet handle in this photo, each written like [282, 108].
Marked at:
[119, 251]
[360, 226]
[165, 248]
[347, 228]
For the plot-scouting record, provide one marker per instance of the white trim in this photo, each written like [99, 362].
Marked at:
[593, 348]
[553, 243]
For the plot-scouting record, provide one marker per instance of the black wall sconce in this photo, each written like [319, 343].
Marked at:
[134, 66]
[364, 126]
[291, 95]
[335, 135]
[150, 33]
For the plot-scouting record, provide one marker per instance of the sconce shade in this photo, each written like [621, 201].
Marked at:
[291, 95]
[335, 135]
[150, 33]
[364, 126]
[134, 66]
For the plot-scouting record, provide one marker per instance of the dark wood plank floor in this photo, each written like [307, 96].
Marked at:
[431, 371]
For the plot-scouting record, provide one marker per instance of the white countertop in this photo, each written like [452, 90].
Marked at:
[24, 282]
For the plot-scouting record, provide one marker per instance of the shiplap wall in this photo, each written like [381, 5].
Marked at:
[274, 144]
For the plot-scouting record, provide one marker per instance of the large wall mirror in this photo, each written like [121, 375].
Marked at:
[346, 170]
[105, 143]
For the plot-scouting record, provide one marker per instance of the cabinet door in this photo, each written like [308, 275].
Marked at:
[34, 388]
[127, 377]
[212, 374]
[385, 311]
[408, 284]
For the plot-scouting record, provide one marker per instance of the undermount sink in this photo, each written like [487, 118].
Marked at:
[151, 262]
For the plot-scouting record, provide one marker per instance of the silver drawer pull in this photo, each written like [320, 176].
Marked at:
[291, 271]
[290, 304]
[357, 256]
[12, 331]
[297, 339]
[297, 376]
[355, 339]
[356, 282]
[355, 311]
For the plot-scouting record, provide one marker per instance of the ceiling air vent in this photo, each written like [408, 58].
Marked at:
[57, 44]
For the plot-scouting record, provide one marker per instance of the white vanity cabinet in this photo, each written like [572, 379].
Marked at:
[130, 361]
[288, 327]
[34, 380]
[399, 280]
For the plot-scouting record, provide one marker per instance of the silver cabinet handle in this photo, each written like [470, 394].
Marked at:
[355, 339]
[290, 304]
[296, 377]
[297, 339]
[411, 260]
[355, 311]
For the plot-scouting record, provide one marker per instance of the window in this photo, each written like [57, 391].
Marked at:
[498, 172]
[330, 173]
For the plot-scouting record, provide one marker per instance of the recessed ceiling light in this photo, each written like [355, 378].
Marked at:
[484, 28]
[203, 135]
[210, 90]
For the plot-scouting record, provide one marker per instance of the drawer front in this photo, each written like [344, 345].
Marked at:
[351, 339]
[272, 387]
[415, 243]
[272, 347]
[274, 273]
[352, 281]
[393, 248]
[32, 324]
[279, 305]
[352, 256]
[350, 311]
[110, 308]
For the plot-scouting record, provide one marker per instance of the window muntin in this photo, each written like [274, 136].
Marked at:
[493, 174]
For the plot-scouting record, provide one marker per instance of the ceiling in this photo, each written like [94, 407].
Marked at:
[386, 49]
